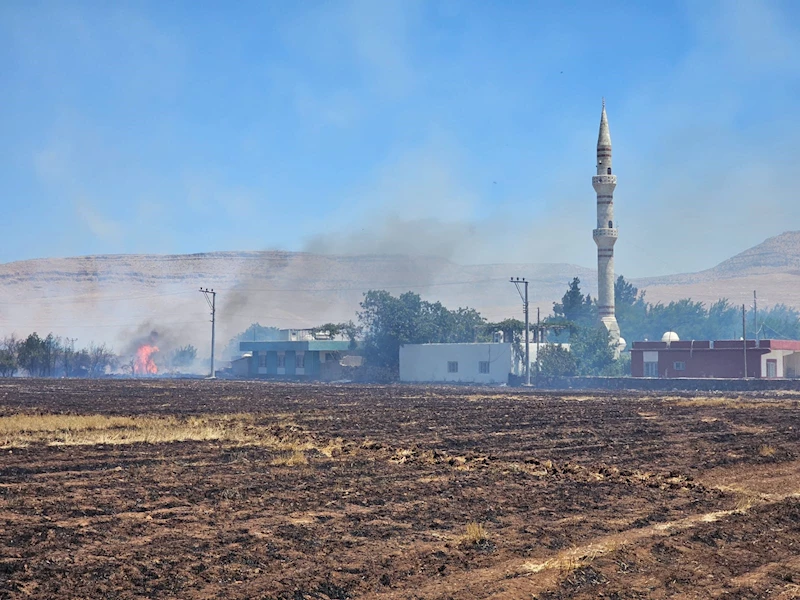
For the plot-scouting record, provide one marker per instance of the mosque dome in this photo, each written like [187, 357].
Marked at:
[670, 336]
[621, 344]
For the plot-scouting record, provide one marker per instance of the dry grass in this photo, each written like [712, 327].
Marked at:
[570, 560]
[293, 459]
[21, 430]
[475, 534]
[766, 451]
[704, 401]
[74, 430]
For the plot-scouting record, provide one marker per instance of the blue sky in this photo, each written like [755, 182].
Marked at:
[456, 128]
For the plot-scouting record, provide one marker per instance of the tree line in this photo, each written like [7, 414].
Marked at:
[641, 320]
[386, 322]
[53, 356]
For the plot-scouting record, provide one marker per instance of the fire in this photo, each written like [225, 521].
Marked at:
[144, 364]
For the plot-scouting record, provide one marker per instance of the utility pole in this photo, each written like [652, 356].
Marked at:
[517, 282]
[212, 304]
[744, 339]
[755, 315]
[538, 339]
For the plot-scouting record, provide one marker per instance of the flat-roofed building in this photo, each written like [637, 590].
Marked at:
[717, 359]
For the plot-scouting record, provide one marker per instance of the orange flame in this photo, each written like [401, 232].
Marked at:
[144, 364]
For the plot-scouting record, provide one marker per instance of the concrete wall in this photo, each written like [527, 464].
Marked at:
[677, 384]
[699, 362]
[428, 362]
[791, 365]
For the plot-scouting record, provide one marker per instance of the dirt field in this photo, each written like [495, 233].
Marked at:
[197, 489]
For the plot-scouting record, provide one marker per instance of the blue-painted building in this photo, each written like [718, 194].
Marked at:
[301, 359]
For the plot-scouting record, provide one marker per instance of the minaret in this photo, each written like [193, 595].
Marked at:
[605, 236]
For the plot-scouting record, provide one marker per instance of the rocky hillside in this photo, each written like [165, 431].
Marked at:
[120, 298]
[772, 268]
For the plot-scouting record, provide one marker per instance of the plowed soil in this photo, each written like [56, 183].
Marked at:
[295, 491]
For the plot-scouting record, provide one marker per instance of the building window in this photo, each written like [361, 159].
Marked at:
[281, 360]
[262, 359]
[611, 224]
[483, 366]
[452, 366]
[300, 360]
[679, 365]
[609, 170]
[651, 369]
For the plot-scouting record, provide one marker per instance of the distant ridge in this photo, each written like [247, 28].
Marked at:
[772, 268]
[116, 297]
[775, 254]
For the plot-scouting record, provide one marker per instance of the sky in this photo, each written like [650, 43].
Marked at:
[461, 129]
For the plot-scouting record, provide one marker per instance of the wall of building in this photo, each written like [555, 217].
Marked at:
[719, 363]
[722, 358]
[676, 385]
[429, 362]
[791, 365]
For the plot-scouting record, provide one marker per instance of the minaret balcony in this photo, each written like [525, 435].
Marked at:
[604, 180]
[605, 233]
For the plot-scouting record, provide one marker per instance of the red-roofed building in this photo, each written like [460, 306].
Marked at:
[723, 359]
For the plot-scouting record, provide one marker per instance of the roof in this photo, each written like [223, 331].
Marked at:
[301, 346]
[451, 344]
[604, 138]
[719, 345]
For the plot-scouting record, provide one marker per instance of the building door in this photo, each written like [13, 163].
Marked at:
[772, 368]
[651, 369]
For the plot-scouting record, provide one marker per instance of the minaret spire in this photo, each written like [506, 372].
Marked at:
[605, 236]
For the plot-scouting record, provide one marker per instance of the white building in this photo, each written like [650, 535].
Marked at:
[462, 363]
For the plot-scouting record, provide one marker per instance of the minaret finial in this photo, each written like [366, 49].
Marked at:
[604, 102]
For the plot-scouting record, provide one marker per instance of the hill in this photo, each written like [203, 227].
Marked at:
[120, 298]
[772, 268]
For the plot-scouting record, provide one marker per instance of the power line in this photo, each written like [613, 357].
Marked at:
[360, 288]
[84, 298]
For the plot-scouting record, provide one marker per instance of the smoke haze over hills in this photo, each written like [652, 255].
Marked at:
[117, 299]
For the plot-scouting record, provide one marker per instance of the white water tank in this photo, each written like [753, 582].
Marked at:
[497, 337]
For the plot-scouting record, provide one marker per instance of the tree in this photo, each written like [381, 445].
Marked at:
[31, 355]
[556, 361]
[631, 309]
[779, 321]
[8, 357]
[183, 356]
[348, 330]
[592, 350]
[687, 318]
[68, 357]
[100, 357]
[722, 320]
[352, 332]
[254, 333]
[575, 307]
[388, 322]
[52, 349]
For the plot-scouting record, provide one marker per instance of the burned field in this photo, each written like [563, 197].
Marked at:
[198, 489]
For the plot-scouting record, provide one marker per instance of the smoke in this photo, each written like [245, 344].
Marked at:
[395, 235]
